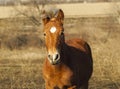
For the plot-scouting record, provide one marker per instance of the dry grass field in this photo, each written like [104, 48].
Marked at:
[22, 51]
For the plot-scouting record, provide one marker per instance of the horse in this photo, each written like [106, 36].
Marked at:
[68, 64]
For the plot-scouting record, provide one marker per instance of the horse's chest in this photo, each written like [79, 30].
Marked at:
[58, 78]
[54, 76]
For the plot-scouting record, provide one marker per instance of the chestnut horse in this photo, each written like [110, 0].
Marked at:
[68, 64]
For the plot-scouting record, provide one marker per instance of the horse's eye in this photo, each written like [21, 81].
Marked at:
[62, 33]
[44, 34]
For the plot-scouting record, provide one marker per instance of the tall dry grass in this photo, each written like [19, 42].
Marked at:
[21, 69]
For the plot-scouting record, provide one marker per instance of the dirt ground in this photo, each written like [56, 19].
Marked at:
[22, 51]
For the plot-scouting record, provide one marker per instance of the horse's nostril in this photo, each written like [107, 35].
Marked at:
[56, 56]
[50, 57]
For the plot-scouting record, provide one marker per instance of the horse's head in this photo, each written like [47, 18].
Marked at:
[54, 36]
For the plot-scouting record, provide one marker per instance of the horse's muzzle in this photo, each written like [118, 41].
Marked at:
[54, 58]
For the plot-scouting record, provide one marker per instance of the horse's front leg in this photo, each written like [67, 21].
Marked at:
[51, 85]
[48, 85]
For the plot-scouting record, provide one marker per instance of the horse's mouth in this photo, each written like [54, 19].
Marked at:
[55, 63]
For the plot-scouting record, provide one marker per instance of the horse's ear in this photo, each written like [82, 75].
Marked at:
[45, 17]
[45, 20]
[60, 15]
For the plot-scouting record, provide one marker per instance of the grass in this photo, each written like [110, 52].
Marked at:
[21, 66]
[21, 69]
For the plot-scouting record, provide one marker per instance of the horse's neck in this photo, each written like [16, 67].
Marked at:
[65, 54]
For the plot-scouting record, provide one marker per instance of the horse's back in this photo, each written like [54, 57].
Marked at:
[79, 44]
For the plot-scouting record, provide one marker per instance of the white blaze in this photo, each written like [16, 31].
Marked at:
[53, 29]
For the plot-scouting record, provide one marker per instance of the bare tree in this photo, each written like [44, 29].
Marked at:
[31, 10]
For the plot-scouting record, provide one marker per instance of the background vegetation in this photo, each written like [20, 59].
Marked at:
[22, 48]
[22, 51]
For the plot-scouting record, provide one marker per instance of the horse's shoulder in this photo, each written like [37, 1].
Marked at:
[79, 44]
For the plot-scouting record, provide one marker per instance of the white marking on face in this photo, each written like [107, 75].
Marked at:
[53, 29]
